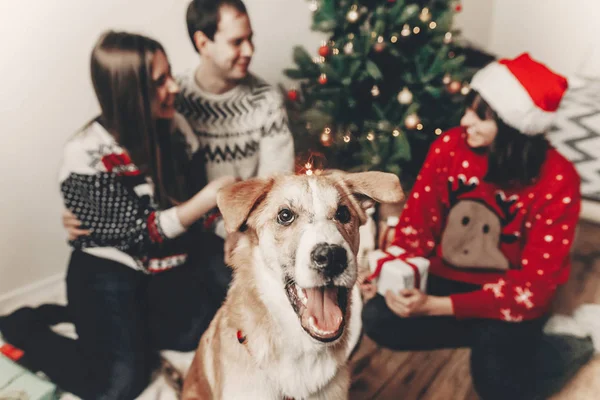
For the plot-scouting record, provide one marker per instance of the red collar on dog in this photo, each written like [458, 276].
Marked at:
[242, 340]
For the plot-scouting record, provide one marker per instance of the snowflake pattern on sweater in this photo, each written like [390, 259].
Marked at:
[515, 243]
[243, 132]
[105, 190]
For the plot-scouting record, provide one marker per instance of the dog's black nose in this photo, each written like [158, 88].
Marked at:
[331, 259]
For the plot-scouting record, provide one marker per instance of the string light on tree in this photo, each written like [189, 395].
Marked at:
[405, 96]
[396, 132]
[432, 25]
[465, 89]
[419, 127]
[313, 5]
[319, 59]
[375, 91]
[335, 51]
[448, 38]
[353, 15]
[371, 136]
[447, 79]
[416, 30]
[346, 138]
[394, 38]
[411, 121]
[438, 131]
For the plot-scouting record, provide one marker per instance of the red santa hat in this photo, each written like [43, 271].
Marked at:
[524, 93]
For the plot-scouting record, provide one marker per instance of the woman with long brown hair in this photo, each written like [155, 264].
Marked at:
[143, 278]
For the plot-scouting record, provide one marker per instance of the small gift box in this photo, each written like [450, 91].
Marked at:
[18, 383]
[395, 272]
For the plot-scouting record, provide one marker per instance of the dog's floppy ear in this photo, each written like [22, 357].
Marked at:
[372, 186]
[238, 200]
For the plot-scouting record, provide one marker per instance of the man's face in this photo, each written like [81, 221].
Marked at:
[231, 50]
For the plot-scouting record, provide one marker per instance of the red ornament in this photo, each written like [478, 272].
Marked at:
[324, 51]
[292, 94]
[323, 79]
[458, 7]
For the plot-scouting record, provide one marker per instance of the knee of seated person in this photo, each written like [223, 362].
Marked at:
[494, 380]
[127, 380]
[373, 317]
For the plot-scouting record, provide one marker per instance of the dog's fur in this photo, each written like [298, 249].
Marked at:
[277, 358]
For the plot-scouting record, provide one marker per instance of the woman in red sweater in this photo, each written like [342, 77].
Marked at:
[494, 209]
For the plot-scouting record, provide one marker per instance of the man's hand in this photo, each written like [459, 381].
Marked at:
[413, 302]
[72, 224]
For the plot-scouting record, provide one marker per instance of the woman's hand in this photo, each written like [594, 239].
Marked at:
[413, 302]
[72, 225]
[367, 287]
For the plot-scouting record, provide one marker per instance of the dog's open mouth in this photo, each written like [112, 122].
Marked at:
[321, 310]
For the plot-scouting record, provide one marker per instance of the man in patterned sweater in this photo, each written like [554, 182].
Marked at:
[239, 119]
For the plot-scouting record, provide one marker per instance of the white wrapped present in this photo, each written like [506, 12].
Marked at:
[395, 272]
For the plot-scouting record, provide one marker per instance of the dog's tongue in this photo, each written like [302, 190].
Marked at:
[322, 305]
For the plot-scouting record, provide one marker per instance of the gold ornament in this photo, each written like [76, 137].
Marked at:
[326, 138]
[352, 15]
[405, 30]
[375, 91]
[454, 87]
[349, 48]
[412, 121]
[425, 15]
[405, 96]
[380, 45]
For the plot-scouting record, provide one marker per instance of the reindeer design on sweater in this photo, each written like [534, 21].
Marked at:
[473, 230]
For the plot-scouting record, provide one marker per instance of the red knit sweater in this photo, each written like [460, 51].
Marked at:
[515, 243]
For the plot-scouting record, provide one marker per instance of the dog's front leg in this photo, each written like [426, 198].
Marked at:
[336, 389]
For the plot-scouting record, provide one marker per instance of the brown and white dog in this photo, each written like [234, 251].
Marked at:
[282, 332]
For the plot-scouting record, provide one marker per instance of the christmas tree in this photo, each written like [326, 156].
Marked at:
[378, 91]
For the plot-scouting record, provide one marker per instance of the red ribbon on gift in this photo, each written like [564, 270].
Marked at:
[402, 257]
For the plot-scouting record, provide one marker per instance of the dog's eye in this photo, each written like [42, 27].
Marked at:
[343, 214]
[285, 217]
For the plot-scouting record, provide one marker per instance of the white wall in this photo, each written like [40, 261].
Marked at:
[47, 96]
[475, 21]
[561, 33]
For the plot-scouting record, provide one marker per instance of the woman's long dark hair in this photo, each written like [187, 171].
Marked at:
[514, 158]
[121, 69]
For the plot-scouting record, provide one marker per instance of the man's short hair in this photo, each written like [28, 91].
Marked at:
[204, 15]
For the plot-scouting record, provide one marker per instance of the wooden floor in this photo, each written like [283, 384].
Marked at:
[380, 373]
